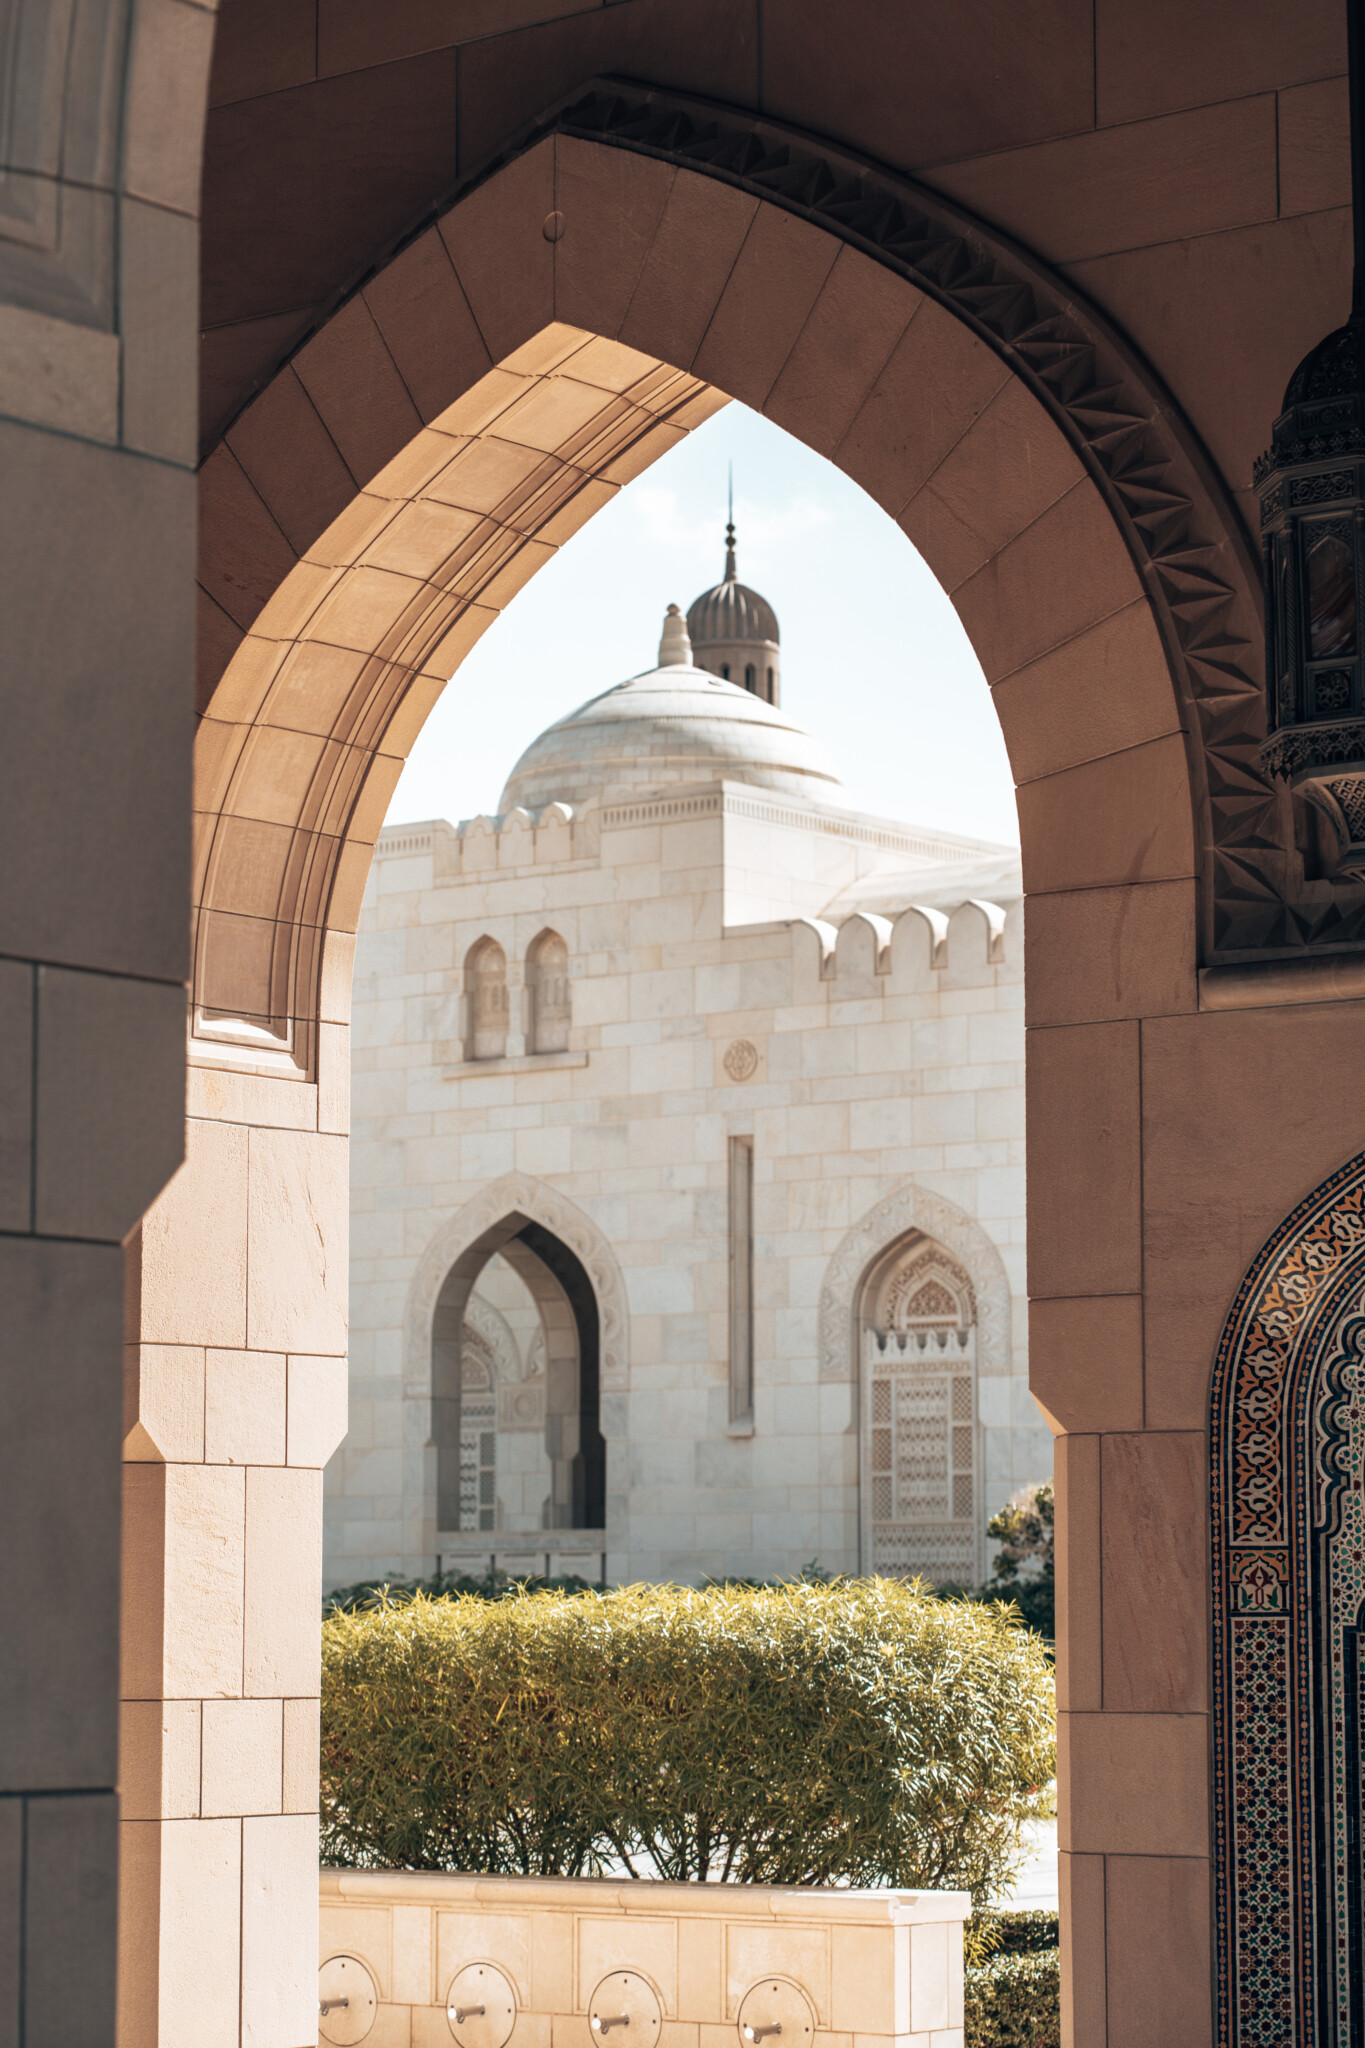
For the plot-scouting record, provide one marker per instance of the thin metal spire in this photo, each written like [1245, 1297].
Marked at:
[730, 531]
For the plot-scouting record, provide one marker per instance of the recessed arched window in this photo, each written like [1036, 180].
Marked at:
[770, 686]
[485, 980]
[725, 670]
[750, 675]
[1331, 598]
[547, 980]
[920, 1486]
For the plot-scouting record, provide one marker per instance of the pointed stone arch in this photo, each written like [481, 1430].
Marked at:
[1017, 440]
[515, 1199]
[908, 1208]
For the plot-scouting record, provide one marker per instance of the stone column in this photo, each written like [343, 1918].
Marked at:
[1131, 1476]
[235, 1397]
[99, 264]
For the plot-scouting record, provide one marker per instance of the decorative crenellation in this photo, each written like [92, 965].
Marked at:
[561, 831]
[519, 838]
[869, 945]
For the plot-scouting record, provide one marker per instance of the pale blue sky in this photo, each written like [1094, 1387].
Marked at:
[874, 661]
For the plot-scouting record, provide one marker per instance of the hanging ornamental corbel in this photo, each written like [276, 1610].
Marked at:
[1311, 484]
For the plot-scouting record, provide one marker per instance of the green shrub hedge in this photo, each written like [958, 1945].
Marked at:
[1013, 1989]
[490, 1585]
[858, 1732]
[1014, 2001]
[1022, 1931]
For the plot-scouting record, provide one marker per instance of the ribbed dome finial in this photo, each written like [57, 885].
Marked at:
[675, 649]
[731, 574]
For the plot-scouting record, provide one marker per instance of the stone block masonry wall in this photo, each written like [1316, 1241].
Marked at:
[862, 1969]
[234, 1398]
[100, 146]
[882, 1059]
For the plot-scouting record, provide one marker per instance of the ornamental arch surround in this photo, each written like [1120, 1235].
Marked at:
[1288, 1538]
[905, 1210]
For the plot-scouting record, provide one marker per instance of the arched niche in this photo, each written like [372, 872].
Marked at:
[568, 1264]
[919, 1464]
[464, 1388]
[487, 1012]
[916, 1267]
[548, 1002]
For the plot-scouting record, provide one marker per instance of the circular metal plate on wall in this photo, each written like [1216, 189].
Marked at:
[347, 2001]
[775, 2013]
[625, 2012]
[481, 2006]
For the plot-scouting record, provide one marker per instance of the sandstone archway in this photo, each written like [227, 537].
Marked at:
[557, 327]
[1191, 177]
[394, 485]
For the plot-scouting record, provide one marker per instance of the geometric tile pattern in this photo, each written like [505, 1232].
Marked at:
[1288, 1555]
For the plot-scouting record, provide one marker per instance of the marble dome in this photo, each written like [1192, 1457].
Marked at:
[675, 723]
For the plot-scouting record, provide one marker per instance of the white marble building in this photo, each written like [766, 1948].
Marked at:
[688, 1159]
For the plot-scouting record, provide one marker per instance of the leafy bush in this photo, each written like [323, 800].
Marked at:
[1013, 1989]
[1024, 1530]
[1024, 1931]
[500, 1585]
[857, 1732]
[1014, 2001]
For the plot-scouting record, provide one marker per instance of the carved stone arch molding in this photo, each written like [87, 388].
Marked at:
[909, 1208]
[516, 1199]
[340, 595]
[1288, 1566]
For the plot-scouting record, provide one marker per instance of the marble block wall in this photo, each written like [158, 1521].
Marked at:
[689, 1965]
[876, 1064]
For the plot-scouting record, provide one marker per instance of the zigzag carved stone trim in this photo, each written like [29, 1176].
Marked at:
[1179, 522]
[1176, 515]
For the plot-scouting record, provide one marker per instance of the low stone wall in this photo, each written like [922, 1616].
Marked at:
[423, 1960]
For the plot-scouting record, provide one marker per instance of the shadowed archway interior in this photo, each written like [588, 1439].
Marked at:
[559, 1285]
